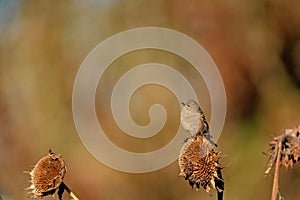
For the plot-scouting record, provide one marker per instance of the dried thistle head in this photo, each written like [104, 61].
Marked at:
[47, 175]
[289, 151]
[198, 170]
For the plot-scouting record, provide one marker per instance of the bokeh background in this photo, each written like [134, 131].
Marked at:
[255, 44]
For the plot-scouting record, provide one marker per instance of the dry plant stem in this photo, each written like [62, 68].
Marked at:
[220, 184]
[276, 175]
[69, 191]
[220, 195]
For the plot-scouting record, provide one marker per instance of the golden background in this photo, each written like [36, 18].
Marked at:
[256, 46]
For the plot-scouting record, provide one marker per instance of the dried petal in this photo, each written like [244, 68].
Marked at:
[296, 154]
[199, 170]
[290, 151]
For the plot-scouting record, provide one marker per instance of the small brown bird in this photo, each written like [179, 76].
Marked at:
[193, 119]
[194, 122]
[198, 161]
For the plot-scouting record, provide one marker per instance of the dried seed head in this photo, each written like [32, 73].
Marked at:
[290, 149]
[47, 175]
[197, 170]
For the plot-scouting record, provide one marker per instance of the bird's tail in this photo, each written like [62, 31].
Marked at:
[210, 139]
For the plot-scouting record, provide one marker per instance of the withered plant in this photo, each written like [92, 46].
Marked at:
[284, 151]
[200, 170]
[47, 177]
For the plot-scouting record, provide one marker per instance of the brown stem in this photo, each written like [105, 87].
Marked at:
[220, 185]
[220, 195]
[276, 175]
[69, 191]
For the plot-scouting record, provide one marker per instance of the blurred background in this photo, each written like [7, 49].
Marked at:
[256, 46]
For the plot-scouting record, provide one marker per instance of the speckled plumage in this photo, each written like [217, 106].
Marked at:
[193, 119]
[194, 122]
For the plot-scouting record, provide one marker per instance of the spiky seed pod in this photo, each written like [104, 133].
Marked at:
[47, 175]
[199, 170]
[290, 149]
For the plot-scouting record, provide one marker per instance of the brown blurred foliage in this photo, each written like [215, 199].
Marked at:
[256, 46]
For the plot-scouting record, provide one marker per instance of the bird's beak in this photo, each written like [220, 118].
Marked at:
[182, 103]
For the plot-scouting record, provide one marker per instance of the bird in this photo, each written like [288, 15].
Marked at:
[194, 122]
[198, 161]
